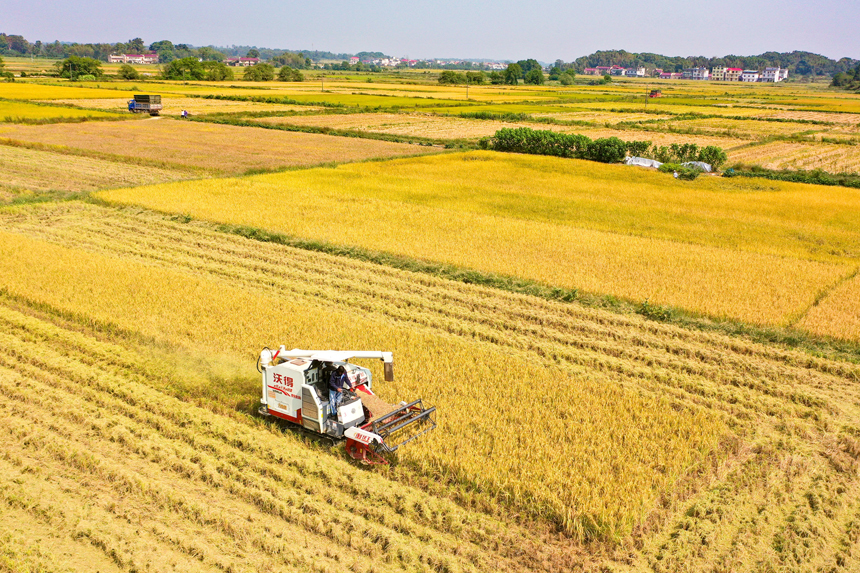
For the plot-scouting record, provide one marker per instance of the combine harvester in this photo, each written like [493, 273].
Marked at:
[296, 389]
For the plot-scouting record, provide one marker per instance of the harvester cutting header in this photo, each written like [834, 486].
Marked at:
[321, 391]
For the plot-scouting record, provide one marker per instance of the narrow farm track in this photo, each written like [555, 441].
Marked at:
[200, 491]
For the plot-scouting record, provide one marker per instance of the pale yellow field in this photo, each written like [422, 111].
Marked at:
[602, 116]
[422, 125]
[218, 148]
[838, 314]
[194, 106]
[14, 111]
[657, 105]
[425, 209]
[36, 170]
[744, 128]
[842, 118]
[657, 137]
[834, 158]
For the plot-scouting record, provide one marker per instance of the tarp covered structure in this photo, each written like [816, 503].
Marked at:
[642, 162]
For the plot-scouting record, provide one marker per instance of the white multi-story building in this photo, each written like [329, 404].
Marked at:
[635, 72]
[696, 74]
[750, 76]
[773, 75]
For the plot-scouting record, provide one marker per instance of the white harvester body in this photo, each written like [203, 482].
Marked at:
[295, 388]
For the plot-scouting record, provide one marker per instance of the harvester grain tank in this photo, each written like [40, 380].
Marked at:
[295, 386]
[150, 104]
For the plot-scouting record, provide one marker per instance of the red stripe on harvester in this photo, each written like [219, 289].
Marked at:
[287, 416]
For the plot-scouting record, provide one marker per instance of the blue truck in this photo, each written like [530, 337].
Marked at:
[150, 104]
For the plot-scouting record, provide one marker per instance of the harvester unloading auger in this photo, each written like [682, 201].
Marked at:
[296, 389]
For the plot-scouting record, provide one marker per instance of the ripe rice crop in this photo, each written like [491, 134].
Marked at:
[37, 170]
[105, 470]
[29, 91]
[579, 488]
[835, 158]
[794, 415]
[473, 210]
[194, 106]
[15, 112]
[660, 138]
[224, 149]
[837, 314]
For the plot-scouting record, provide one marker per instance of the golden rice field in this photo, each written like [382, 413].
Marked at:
[837, 314]
[222, 149]
[602, 116]
[835, 158]
[472, 210]
[152, 466]
[105, 470]
[15, 111]
[194, 106]
[38, 170]
[555, 475]
[840, 118]
[669, 108]
[32, 91]
[660, 138]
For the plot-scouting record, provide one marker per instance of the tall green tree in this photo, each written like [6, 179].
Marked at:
[513, 74]
[217, 71]
[184, 69]
[136, 46]
[534, 77]
[259, 73]
[529, 65]
[253, 53]
[127, 72]
[75, 66]
[288, 74]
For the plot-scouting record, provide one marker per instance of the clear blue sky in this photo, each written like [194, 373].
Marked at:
[501, 29]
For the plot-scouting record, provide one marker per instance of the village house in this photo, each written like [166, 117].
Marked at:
[750, 76]
[245, 62]
[696, 74]
[776, 74]
[635, 72]
[133, 59]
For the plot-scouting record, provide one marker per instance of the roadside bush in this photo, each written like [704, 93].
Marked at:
[86, 78]
[606, 150]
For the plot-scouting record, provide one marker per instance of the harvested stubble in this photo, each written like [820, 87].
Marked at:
[422, 125]
[15, 111]
[842, 118]
[831, 157]
[195, 106]
[555, 474]
[38, 170]
[225, 149]
[743, 128]
[473, 210]
[662, 106]
[796, 415]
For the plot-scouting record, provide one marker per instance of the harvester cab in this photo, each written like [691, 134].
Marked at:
[295, 386]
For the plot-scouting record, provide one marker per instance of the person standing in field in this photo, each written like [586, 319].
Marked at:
[184, 114]
[336, 384]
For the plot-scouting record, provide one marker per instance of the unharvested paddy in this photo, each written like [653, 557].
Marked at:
[560, 228]
[16, 112]
[216, 148]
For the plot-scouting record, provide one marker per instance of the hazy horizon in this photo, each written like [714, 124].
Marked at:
[505, 30]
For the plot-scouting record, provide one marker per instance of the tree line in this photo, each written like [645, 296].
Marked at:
[849, 80]
[797, 62]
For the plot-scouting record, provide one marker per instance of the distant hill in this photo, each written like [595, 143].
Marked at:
[797, 63]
